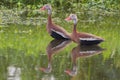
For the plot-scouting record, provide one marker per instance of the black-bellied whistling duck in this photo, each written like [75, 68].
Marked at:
[82, 52]
[81, 37]
[54, 30]
[54, 47]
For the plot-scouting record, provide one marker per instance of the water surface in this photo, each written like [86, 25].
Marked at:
[27, 52]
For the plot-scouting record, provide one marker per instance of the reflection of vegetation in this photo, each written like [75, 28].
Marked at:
[89, 68]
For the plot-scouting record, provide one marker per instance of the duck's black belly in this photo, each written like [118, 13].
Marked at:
[94, 42]
[57, 36]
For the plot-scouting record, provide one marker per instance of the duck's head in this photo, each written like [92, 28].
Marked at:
[47, 7]
[46, 70]
[71, 73]
[72, 17]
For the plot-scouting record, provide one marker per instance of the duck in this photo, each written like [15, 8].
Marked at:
[53, 29]
[83, 51]
[82, 37]
[54, 47]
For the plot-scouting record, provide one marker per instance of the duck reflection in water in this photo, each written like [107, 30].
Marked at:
[54, 47]
[82, 52]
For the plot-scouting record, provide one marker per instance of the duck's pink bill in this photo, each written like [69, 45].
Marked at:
[42, 69]
[67, 71]
[43, 8]
[68, 19]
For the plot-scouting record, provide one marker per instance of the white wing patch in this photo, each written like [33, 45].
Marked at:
[84, 52]
[88, 39]
[59, 45]
[59, 33]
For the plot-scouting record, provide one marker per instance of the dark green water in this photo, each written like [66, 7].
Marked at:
[25, 50]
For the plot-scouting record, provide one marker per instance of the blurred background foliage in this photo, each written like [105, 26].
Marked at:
[61, 4]
[30, 8]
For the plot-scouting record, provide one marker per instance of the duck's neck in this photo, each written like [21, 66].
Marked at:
[49, 16]
[74, 28]
[49, 19]
[49, 65]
